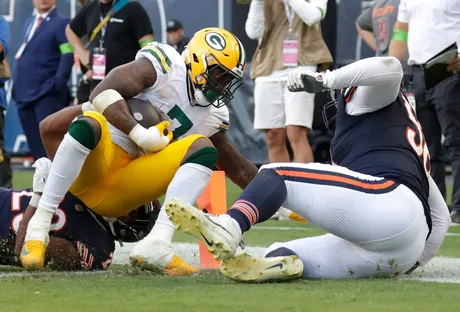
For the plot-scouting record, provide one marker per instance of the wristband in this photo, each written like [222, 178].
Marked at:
[138, 134]
[399, 35]
[105, 99]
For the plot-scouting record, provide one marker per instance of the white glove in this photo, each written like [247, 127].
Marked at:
[305, 80]
[42, 169]
[154, 138]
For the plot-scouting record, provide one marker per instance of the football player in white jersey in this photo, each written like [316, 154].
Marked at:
[111, 162]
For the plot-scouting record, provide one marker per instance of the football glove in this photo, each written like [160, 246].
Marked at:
[305, 80]
[154, 138]
[42, 169]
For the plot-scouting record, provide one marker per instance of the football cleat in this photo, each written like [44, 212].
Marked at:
[154, 255]
[295, 217]
[219, 233]
[244, 268]
[286, 214]
[33, 254]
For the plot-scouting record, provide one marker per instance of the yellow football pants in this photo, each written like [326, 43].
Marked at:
[112, 183]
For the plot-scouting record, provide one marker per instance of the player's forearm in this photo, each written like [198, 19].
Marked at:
[55, 126]
[255, 22]
[123, 82]
[242, 174]
[374, 71]
[240, 170]
[398, 44]
[309, 13]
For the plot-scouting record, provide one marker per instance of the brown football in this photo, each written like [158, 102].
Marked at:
[144, 112]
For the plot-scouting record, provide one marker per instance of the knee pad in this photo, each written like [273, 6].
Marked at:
[205, 156]
[83, 132]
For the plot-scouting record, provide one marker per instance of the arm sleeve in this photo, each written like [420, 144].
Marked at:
[403, 14]
[378, 78]
[4, 37]
[440, 223]
[364, 21]
[78, 23]
[310, 12]
[141, 21]
[255, 22]
[66, 50]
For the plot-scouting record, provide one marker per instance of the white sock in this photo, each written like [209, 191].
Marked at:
[66, 167]
[187, 185]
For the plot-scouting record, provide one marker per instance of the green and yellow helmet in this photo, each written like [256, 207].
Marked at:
[215, 60]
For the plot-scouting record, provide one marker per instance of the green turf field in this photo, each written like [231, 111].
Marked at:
[125, 289]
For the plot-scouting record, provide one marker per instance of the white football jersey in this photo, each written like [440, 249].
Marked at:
[170, 95]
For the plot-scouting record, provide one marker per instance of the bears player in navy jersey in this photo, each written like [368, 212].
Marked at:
[79, 238]
[383, 213]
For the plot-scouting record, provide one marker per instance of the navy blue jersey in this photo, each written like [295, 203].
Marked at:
[386, 143]
[73, 221]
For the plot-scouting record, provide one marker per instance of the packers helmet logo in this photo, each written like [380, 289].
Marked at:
[215, 41]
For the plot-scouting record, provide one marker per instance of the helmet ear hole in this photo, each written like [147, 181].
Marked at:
[195, 58]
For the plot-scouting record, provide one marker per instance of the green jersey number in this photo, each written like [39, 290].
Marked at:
[185, 123]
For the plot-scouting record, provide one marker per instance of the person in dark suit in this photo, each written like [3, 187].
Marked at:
[43, 67]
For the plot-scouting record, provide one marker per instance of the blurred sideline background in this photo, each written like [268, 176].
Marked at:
[338, 30]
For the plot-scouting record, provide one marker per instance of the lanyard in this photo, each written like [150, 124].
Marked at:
[116, 7]
[29, 29]
[289, 13]
[103, 30]
[104, 24]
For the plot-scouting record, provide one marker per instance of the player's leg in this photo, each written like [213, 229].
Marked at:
[181, 170]
[188, 183]
[371, 212]
[223, 233]
[326, 256]
[82, 137]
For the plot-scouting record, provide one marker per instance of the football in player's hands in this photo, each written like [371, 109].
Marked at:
[42, 169]
[146, 114]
